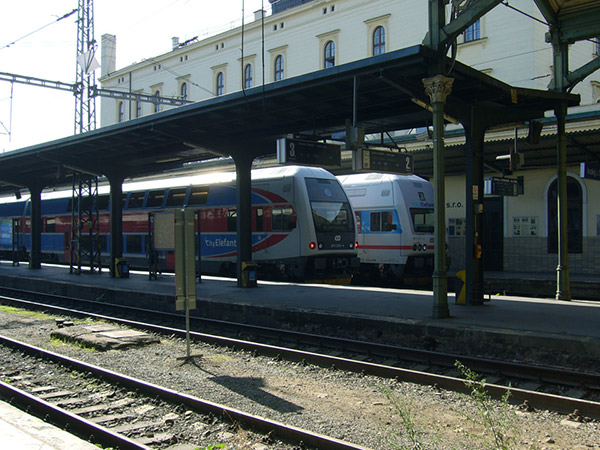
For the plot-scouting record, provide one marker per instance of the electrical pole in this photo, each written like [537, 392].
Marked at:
[85, 106]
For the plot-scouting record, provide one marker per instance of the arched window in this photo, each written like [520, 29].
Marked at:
[379, 41]
[184, 91]
[574, 216]
[248, 76]
[157, 105]
[279, 68]
[220, 90]
[121, 112]
[329, 60]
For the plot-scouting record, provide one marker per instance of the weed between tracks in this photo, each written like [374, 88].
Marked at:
[491, 419]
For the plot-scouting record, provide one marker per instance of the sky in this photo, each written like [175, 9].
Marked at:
[34, 43]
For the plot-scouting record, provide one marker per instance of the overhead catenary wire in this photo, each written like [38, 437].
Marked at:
[39, 29]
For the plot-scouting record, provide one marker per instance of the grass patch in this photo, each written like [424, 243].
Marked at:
[56, 342]
[26, 313]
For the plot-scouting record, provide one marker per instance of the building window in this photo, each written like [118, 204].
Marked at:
[138, 109]
[248, 76]
[574, 216]
[329, 60]
[379, 41]
[279, 68]
[473, 32]
[121, 112]
[157, 105]
[220, 90]
[184, 91]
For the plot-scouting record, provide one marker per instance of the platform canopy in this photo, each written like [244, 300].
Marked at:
[389, 96]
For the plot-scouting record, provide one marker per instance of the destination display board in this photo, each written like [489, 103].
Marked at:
[372, 160]
[506, 187]
[308, 153]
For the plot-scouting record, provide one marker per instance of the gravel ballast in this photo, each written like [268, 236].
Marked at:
[380, 414]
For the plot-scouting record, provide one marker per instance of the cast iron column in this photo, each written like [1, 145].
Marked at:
[116, 220]
[35, 257]
[243, 166]
[438, 88]
[474, 133]
[563, 286]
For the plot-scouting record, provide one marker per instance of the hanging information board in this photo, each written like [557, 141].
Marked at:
[371, 160]
[308, 153]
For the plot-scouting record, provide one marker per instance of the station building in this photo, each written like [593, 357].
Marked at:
[296, 37]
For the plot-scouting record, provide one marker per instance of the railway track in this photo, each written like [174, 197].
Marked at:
[115, 410]
[556, 389]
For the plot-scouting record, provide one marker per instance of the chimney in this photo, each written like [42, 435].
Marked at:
[175, 42]
[109, 54]
[258, 15]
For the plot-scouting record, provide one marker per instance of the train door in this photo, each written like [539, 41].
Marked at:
[493, 234]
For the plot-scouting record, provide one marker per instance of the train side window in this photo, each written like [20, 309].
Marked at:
[136, 200]
[198, 195]
[103, 201]
[282, 219]
[232, 220]
[102, 243]
[258, 219]
[155, 199]
[133, 243]
[50, 225]
[123, 200]
[382, 221]
[176, 197]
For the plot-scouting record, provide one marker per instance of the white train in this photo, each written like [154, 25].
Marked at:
[394, 219]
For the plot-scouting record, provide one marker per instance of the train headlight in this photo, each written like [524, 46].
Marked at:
[419, 247]
[414, 247]
[312, 245]
[321, 245]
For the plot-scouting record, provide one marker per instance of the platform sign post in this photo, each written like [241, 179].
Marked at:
[185, 268]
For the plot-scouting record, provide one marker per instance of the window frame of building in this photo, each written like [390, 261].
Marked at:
[473, 32]
[329, 54]
[220, 84]
[279, 68]
[324, 39]
[120, 111]
[274, 54]
[379, 44]
[184, 91]
[138, 109]
[372, 25]
[248, 81]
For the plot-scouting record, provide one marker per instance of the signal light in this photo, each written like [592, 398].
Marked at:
[312, 245]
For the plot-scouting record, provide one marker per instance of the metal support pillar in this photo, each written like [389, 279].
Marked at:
[563, 285]
[475, 134]
[243, 167]
[85, 224]
[116, 220]
[35, 256]
[438, 88]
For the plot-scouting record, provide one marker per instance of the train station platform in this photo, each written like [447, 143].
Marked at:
[395, 316]
[22, 431]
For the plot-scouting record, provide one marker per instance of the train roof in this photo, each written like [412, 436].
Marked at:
[376, 178]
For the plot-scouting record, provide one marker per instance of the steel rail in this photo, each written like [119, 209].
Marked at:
[72, 423]
[528, 371]
[259, 424]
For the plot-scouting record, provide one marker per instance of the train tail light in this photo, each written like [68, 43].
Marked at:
[356, 244]
[312, 245]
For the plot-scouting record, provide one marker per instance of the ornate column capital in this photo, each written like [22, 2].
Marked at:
[438, 88]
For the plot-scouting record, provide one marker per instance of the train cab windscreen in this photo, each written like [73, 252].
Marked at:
[422, 219]
[330, 208]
